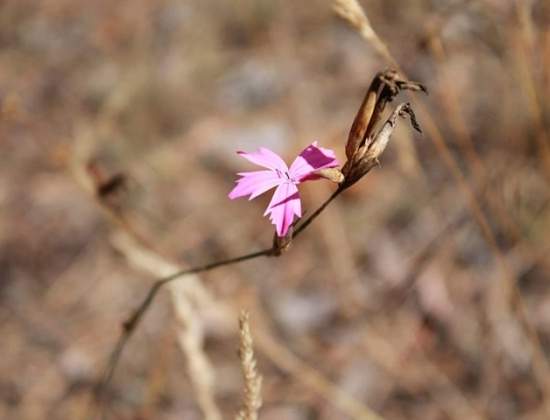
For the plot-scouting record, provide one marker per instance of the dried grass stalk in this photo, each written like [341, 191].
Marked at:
[187, 298]
[252, 400]
[352, 12]
[191, 341]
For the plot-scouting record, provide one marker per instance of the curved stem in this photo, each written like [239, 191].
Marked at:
[316, 213]
[130, 325]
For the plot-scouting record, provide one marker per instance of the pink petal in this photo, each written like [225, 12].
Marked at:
[266, 158]
[254, 183]
[311, 159]
[284, 206]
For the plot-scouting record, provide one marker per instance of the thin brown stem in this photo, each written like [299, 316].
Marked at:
[131, 324]
[316, 213]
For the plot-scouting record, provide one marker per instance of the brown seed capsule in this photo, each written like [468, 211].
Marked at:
[366, 157]
[383, 88]
[364, 145]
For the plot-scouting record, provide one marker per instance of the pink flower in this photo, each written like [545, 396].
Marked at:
[285, 204]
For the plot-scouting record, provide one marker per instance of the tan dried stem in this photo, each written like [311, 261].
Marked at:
[305, 374]
[352, 12]
[450, 398]
[187, 298]
[452, 105]
[505, 296]
[252, 400]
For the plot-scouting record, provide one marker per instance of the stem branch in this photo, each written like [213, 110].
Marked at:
[131, 324]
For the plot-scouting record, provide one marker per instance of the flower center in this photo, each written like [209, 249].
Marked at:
[286, 176]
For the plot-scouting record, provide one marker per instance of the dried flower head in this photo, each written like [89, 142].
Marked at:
[364, 145]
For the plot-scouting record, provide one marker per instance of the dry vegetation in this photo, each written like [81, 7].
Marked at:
[422, 292]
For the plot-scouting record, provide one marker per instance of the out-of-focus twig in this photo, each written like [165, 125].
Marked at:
[524, 49]
[454, 402]
[305, 374]
[418, 263]
[187, 298]
[505, 297]
[451, 102]
[352, 12]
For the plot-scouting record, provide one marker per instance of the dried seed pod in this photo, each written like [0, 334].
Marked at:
[362, 119]
[383, 88]
[366, 157]
[380, 141]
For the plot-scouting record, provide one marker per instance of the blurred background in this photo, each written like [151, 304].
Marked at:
[421, 293]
